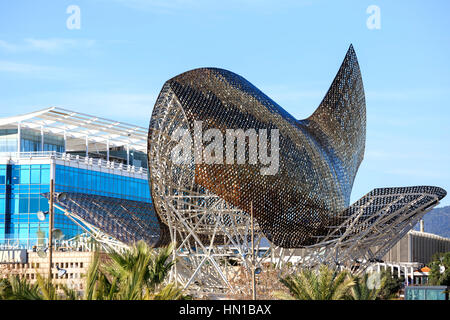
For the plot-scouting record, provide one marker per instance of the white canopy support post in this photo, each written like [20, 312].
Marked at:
[65, 141]
[42, 138]
[87, 147]
[107, 150]
[18, 137]
[128, 154]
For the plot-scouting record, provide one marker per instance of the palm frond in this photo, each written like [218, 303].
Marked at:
[90, 289]
[47, 288]
[21, 289]
[169, 292]
[321, 284]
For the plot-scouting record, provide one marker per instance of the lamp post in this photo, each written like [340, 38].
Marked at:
[50, 229]
[253, 252]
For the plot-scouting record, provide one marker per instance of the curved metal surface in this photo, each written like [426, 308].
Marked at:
[318, 156]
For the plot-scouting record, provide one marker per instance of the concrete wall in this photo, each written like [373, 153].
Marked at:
[75, 263]
[417, 247]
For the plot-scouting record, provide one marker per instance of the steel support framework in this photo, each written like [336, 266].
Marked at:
[202, 265]
[368, 230]
[363, 237]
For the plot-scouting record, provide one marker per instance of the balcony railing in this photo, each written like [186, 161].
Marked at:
[80, 244]
[73, 158]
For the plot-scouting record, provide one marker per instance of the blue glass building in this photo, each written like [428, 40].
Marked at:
[81, 153]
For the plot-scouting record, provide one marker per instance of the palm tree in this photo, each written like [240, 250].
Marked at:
[134, 274]
[47, 289]
[97, 286]
[159, 266]
[324, 284]
[361, 291]
[169, 292]
[5, 289]
[17, 288]
[390, 285]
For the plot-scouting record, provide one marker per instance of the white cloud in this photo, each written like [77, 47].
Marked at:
[9, 66]
[36, 71]
[157, 3]
[164, 6]
[158, 6]
[7, 46]
[59, 45]
[51, 45]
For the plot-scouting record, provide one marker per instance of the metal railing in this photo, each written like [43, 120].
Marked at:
[80, 243]
[74, 158]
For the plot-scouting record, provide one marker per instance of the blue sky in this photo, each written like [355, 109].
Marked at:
[116, 63]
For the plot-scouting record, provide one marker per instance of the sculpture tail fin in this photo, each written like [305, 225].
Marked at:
[341, 116]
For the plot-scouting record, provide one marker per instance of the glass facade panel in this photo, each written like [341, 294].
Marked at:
[30, 140]
[25, 175]
[35, 176]
[21, 187]
[20, 201]
[3, 202]
[72, 179]
[2, 174]
[426, 293]
[8, 140]
[53, 143]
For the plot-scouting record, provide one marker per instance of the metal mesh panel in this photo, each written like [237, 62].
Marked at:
[125, 220]
[384, 211]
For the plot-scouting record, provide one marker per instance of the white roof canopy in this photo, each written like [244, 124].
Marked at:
[78, 125]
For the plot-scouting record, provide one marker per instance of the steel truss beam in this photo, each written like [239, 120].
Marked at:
[367, 238]
[362, 238]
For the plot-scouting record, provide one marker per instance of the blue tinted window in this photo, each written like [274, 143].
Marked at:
[15, 175]
[35, 176]
[45, 175]
[25, 175]
[34, 204]
[30, 181]
[43, 204]
[14, 205]
[101, 183]
[2, 208]
[23, 231]
[23, 205]
[2, 174]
